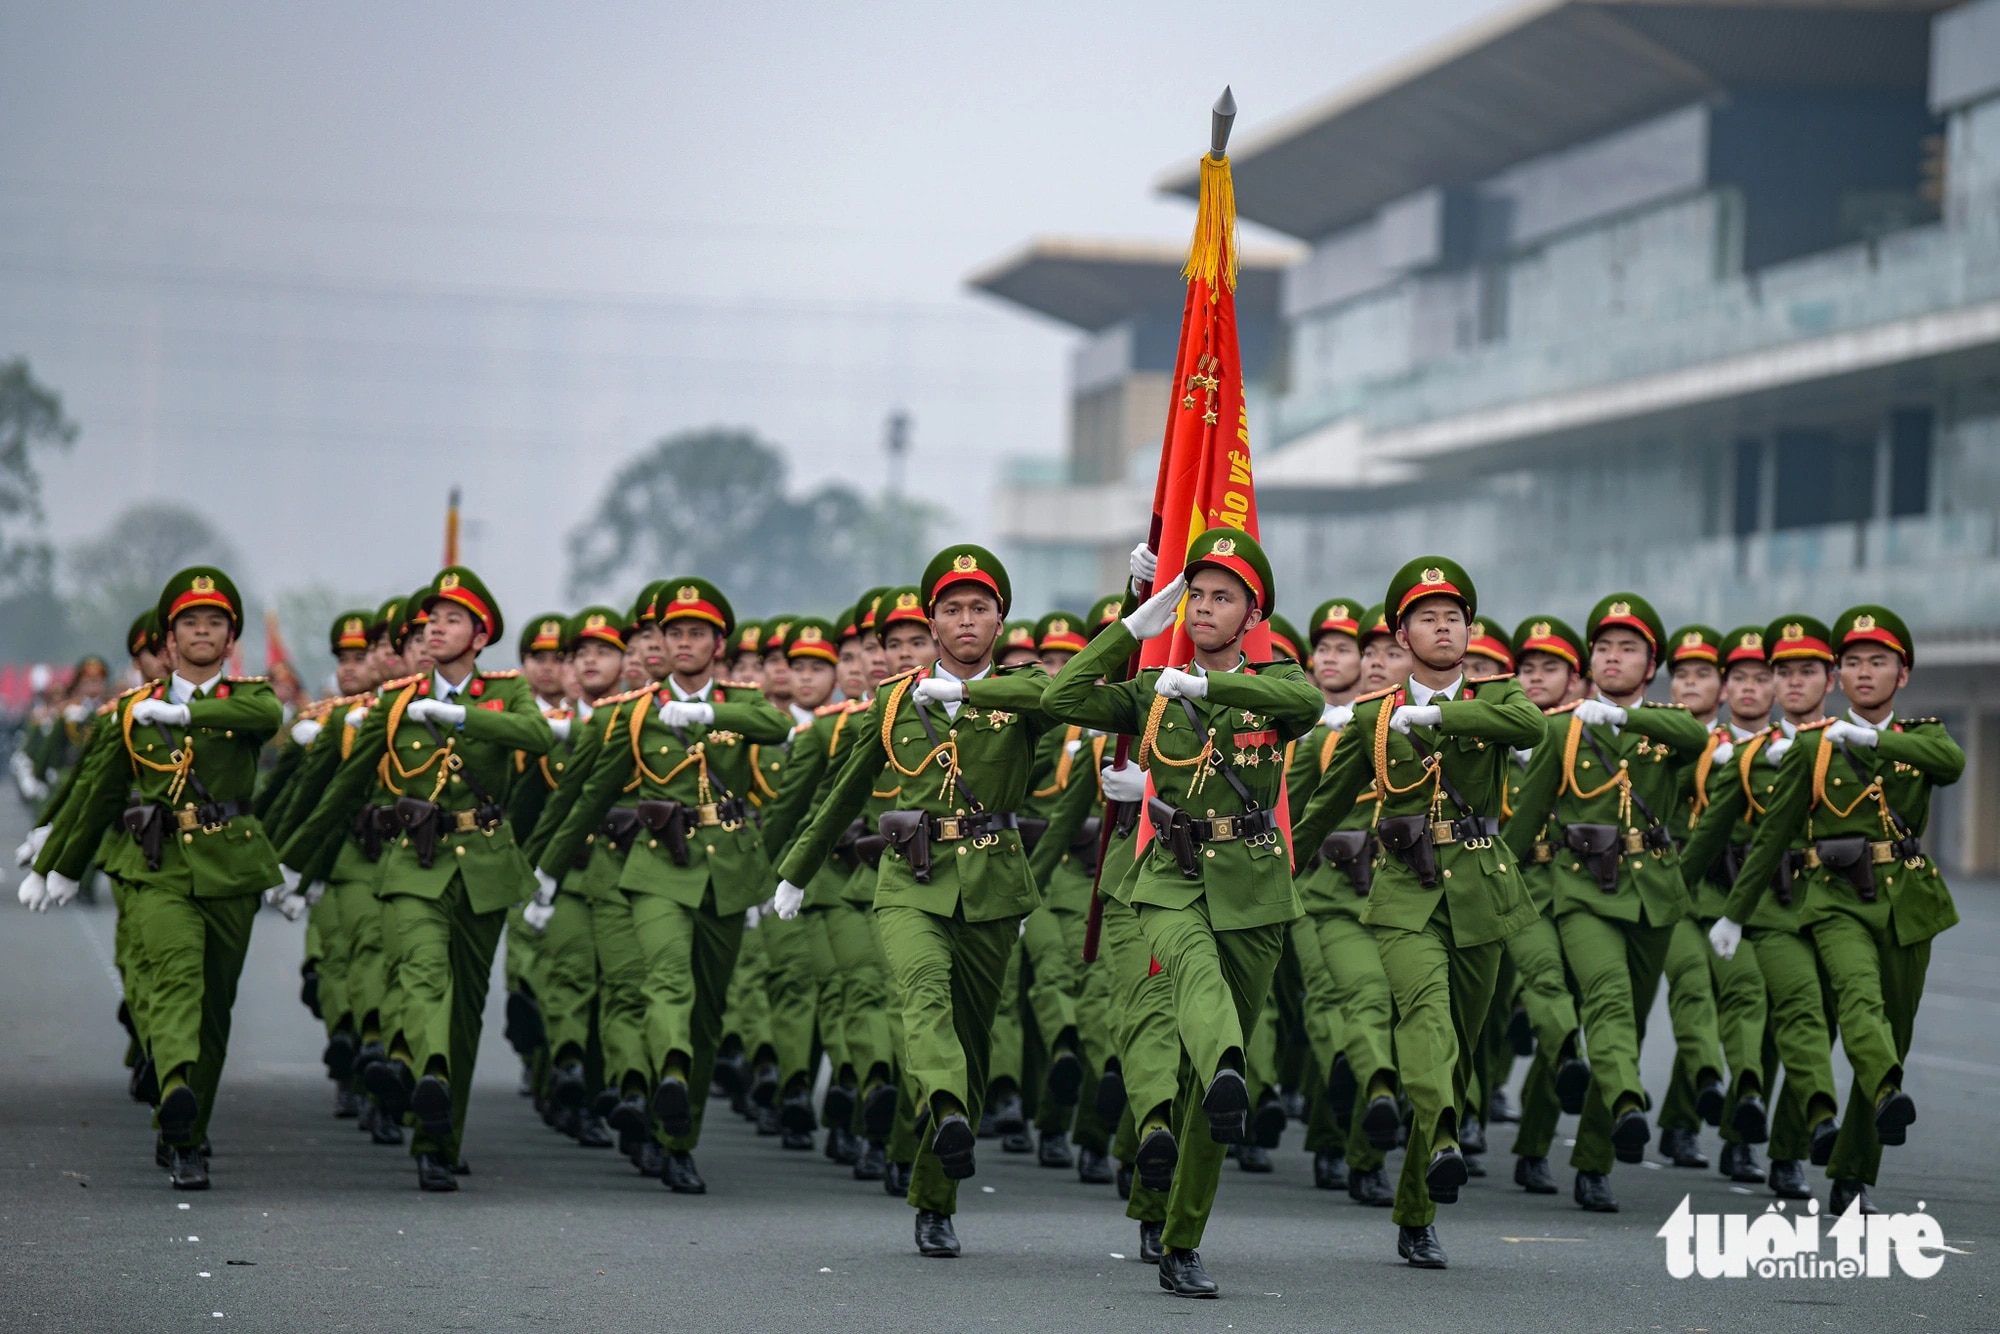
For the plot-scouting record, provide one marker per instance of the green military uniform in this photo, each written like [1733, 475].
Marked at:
[1439, 942]
[1610, 789]
[1216, 920]
[1775, 942]
[947, 929]
[1870, 897]
[195, 871]
[1559, 1077]
[448, 879]
[1348, 1011]
[696, 864]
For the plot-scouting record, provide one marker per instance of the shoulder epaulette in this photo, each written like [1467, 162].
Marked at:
[1563, 708]
[402, 681]
[828, 710]
[1919, 722]
[1383, 693]
[111, 705]
[244, 680]
[1663, 704]
[622, 697]
[1814, 727]
[891, 680]
[737, 685]
[501, 674]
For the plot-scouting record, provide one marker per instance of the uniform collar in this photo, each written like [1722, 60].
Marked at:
[180, 690]
[683, 695]
[1421, 694]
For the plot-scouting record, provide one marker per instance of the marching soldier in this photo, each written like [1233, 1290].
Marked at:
[1857, 791]
[1549, 658]
[1445, 892]
[954, 882]
[1802, 1123]
[1608, 772]
[188, 750]
[444, 743]
[1347, 994]
[696, 863]
[1214, 892]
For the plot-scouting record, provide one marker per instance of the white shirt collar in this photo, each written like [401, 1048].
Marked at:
[701, 694]
[442, 690]
[1421, 694]
[938, 670]
[1859, 721]
[801, 714]
[1200, 670]
[180, 690]
[1742, 734]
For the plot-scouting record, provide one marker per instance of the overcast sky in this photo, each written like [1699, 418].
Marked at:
[308, 266]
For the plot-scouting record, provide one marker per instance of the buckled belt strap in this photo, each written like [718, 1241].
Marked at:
[211, 815]
[1230, 828]
[952, 828]
[466, 822]
[1445, 832]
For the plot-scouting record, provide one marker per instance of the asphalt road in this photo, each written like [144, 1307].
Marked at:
[310, 1228]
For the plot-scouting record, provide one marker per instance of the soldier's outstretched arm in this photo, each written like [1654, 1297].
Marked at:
[610, 772]
[1927, 748]
[844, 800]
[1077, 696]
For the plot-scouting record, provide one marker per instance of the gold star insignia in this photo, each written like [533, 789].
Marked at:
[1210, 417]
[1188, 402]
[1252, 760]
[1249, 718]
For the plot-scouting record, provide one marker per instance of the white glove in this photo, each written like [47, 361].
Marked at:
[293, 906]
[290, 877]
[687, 713]
[1145, 564]
[1337, 716]
[315, 892]
[1854, 734]
[560, 726]
[1599, 712]
[356, 714]
[1775, 751]
[34, 789]
[1524, 756]
[788, 900]
[931, 690]
[276, 895]
[1156, 613]
[1174, 683]
[75, 713]
[149, 711]
[1724, 937]
[1407, 716]
[545, 887]
[1723, 752]
[752, 916]
[430, 710]
[304, 730]
[61, 890]
[1126, 784]
[34, 892]
[538, 915]
[31, 847]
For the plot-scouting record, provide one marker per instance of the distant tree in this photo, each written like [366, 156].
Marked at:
[713, 503]
[305, 615]
[32, 623]
[113, 577]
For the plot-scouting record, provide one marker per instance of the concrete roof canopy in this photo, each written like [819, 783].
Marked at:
[1094, 284]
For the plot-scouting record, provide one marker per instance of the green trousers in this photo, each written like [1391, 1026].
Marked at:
[1006, 1061]
[1442, 991]
[902, 1145]
[328, 953]
[1347, 999]
[1741, 1010]
[192, 950]
[1797, 1037]
[1691, 1008]
[1148, 1039]
[127, 953]
[748, 1016]
[367, 956]
[566, 961]
[801, 960]
[1095, 1031]
[1536, 952]
[621, 993]
[948, 973]
[689, 956]
[864, 993]
[1877, 984]
[1617, 966]
[1220, 980]
[444, 957]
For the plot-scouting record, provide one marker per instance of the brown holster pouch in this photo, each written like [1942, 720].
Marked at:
[1409, 838]
[1089, 838]
[869, 848]
[368, 833]
[619, 827]
[1789, 866]
[1352, 852]
[1598, 845]
[1124, 816]
[1032, 830]
[909, 832]
[1175, 830]
[419, 819]
[1849, 858]
[148, 827]
[669, 822]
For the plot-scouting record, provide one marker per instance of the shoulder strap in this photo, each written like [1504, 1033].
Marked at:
[957, 773]
[1631, 790]
[1221, 759]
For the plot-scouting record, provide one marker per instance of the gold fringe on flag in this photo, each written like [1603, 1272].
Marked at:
[1214, 228]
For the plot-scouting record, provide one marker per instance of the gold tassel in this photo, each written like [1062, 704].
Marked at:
[1214, 229]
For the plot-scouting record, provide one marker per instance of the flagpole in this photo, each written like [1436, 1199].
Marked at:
[1221, 119]
[451, 530]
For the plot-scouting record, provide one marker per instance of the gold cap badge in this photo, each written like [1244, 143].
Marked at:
[1619, 609]
[353, 626]
[809, 635]
[1692, 639]
[1753, 639]
[965, 564]
[1433, 575]
[447, 583]
[203, 584]
[687, 593]
[906, 602]
[1794, 630]
[594, 621]
[1224, 546]
[1864, 622]
[1541, 630]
